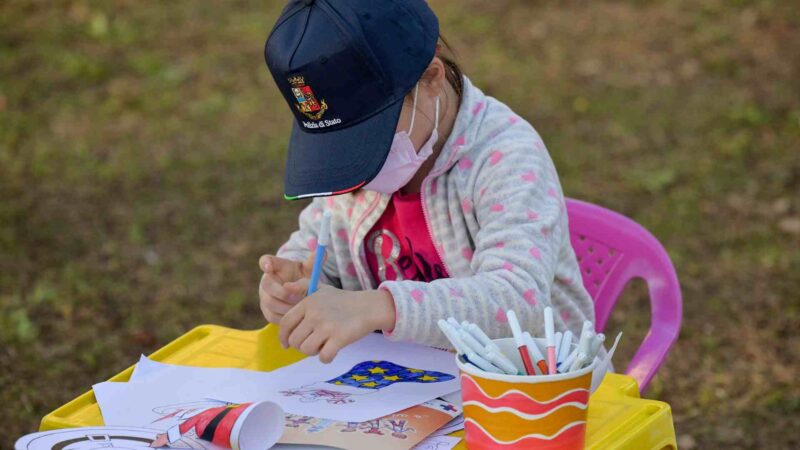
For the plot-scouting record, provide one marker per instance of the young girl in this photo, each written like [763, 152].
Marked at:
[445, 203]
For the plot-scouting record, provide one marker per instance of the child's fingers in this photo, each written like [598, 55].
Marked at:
[313, 344]
[272, 286]
[301, 332]
[265, 263]
[329, 350]
[288, 323]
[283, 268]
[296, 290]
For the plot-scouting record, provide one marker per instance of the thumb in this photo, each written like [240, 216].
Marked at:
[297, 290]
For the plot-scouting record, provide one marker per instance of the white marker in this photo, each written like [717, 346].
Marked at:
[480, 335]
[565, 365]
[564, 349]
[454, 323]
[482, 363]
[502, 362]
[579, 362]
[452, 336]
[587, 336]
[471, 342]
[595, 346]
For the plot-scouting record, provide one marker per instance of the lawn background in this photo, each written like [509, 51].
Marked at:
[141, 158]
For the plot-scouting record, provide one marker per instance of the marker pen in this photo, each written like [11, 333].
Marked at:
[501, 362]
[549, 332]
[565, 366]
[564, 348]
[522, 346]
[481, 363]
[536, 354]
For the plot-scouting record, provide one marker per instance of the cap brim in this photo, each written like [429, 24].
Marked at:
[337, 162]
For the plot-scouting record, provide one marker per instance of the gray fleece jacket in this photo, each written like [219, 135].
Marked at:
[495, 212]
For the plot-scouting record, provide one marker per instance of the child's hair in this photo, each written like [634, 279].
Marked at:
[454, 74]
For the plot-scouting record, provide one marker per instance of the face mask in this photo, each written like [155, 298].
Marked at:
[403, 160]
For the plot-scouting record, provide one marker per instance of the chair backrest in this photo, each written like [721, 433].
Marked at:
[612, 250]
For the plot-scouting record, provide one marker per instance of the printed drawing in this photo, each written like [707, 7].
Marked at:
[98, 438]
[398, 428]
[182, 411]
[211, 425]
[365, 377]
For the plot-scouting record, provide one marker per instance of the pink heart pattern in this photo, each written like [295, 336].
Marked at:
[530, 297]
[466, 205]
[500, 316]
[312, 244]
[497, 207]
[467, 253]
[529, 177]
[536, 253]
[418, 295]
[465, 163]
[477, 108]
[495, 157]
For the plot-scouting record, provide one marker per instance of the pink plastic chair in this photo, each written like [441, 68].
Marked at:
[611, 251]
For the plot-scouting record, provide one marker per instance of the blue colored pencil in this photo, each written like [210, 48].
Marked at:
[323, 240]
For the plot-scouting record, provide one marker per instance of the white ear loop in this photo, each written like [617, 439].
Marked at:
[414, 112]
[413, 109]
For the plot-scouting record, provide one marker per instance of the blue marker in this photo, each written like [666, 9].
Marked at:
[323, 240]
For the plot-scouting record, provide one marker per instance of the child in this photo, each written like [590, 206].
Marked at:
[445, 203]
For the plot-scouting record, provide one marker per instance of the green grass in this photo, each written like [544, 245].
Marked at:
[142, 147]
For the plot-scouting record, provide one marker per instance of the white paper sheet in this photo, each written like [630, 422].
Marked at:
[438, 443]
[309, 388]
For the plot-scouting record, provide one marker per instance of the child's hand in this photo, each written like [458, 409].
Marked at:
[275, 299]
[331, 318]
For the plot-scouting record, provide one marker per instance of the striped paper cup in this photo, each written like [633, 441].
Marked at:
[524, 412]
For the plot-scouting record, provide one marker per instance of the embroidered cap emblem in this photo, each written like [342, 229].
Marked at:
[306, 101]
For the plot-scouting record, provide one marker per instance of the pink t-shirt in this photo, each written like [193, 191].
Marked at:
[399, 245]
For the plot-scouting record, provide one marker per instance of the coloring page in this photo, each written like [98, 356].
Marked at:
[397, 431]
[369, 379]
[103, 438]
[438, 443]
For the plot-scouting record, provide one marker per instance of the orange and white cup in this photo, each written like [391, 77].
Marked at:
[524, 412]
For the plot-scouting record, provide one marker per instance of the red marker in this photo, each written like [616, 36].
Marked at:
[521, 344]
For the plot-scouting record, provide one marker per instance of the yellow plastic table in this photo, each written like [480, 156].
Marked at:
[617, 417]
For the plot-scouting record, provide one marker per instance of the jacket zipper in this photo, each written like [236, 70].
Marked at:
[360, 249]
[425, 215]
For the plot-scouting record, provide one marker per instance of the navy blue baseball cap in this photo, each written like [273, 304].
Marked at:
[344, 67]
